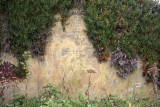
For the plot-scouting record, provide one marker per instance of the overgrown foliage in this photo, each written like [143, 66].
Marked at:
[135, 23]
[29, 22]
[53, 98]
[0, 38]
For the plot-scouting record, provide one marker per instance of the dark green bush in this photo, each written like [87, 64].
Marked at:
[0, 32]
[29, 24]
[135, 23]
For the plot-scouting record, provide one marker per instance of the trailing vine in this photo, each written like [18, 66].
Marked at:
[27, 26]
[134, 23]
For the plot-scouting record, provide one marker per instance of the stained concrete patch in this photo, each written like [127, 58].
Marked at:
[65, 51]
[114, 82]
[71, 35]
[77, 42]
[82, 56]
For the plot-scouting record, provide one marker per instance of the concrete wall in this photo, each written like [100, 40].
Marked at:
[68, 56]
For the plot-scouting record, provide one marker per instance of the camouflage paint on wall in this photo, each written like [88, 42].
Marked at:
[68, 56]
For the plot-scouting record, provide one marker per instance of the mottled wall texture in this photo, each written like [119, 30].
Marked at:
[68, 56]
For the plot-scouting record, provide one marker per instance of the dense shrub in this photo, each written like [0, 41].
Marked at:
[135, 23]
[0, 30]
[29, 22]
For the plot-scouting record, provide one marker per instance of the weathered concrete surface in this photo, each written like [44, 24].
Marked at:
[68, 55]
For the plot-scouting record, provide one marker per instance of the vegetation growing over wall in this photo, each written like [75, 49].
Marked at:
[27, 26]
[0, 31]
[134, 23]
[52, 97]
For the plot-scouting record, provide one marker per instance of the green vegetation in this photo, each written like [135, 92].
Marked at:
[0, 26]
[134, 23]
[29, 22]
[53, 98]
